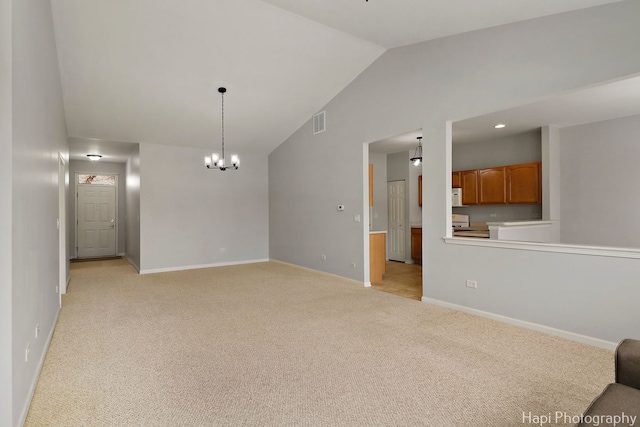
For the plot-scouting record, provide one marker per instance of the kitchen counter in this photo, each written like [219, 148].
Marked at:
[377, 231]
[525, 231]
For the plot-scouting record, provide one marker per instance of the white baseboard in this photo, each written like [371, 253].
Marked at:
[321, 272]
[34, 382]
[367, 284]
[607, 345]
[136, 266]
[194, 267]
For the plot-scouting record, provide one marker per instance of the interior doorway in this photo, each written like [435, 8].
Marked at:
[394, 208]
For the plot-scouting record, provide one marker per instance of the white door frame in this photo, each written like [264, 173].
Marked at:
[117, 185]
[62, 227]
[365, 214]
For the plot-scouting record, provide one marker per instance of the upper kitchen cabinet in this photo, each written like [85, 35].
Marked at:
[511, 184]
[524, 183]
[469, 184]
[492, 186]
[455, 180]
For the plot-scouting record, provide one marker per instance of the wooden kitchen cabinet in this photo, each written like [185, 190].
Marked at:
[455, 180]
[469, 184]
[524, 183]
[511, 184]
[416, 244]
[492, 186]
[377, 256]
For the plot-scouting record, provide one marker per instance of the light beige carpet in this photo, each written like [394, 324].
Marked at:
[273, 345]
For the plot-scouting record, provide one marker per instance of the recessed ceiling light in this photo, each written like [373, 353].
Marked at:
[500, 126]
[94, 157]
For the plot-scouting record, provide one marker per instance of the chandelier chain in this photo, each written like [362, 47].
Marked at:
[222, 124]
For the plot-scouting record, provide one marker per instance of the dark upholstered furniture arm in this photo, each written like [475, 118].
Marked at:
[628, 363]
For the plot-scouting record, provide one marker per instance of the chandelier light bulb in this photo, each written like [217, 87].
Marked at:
[207, 161]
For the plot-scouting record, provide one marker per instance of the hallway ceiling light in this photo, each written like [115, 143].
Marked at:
[417, 156]
[217, 161]
[94, 157]
[500, 126]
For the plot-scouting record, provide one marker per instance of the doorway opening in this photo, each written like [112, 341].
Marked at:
[395, 209]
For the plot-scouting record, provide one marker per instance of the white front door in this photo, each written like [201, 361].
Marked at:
[396, 221]
[96, 216]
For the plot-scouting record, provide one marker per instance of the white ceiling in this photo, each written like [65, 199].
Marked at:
[393, 23]
[148, 70]
[605, 102]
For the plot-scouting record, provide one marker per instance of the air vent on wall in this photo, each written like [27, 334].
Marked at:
[319, 123]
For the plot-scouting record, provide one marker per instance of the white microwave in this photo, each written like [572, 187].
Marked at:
[456, 197]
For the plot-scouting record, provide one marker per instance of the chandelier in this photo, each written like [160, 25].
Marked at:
[417, 157]
[217, 161]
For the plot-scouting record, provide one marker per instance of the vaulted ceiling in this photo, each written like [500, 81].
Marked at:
[148, 70]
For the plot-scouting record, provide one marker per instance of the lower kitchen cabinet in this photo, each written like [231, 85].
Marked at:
[377, 256]
[416, 244]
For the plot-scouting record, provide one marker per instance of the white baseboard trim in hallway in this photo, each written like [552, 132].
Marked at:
[34, 383]
[607, 345]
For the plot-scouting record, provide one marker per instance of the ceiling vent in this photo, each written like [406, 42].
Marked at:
[319, 122]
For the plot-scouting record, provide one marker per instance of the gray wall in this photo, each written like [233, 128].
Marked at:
[522, 148]
[424, 86]
[188, 213]
[6, 408]
[599, 178]
[132, 217]
[39, 134]
[98, 168]
[380, 212]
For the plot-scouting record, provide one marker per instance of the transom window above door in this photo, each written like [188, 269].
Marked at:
[96, 179]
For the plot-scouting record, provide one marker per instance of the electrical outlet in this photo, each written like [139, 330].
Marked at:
[352, 264]
[323, 257]
[223, 249]
[27, 353]
[37, 330]
[57, 289]
[493, 215]
[472, 284]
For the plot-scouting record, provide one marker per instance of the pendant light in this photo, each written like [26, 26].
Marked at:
[217, 161]
[417, 156]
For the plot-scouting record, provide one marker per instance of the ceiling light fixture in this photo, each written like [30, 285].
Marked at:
[216, 161]
[417, 156]
[500, 126]
[94, 157]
